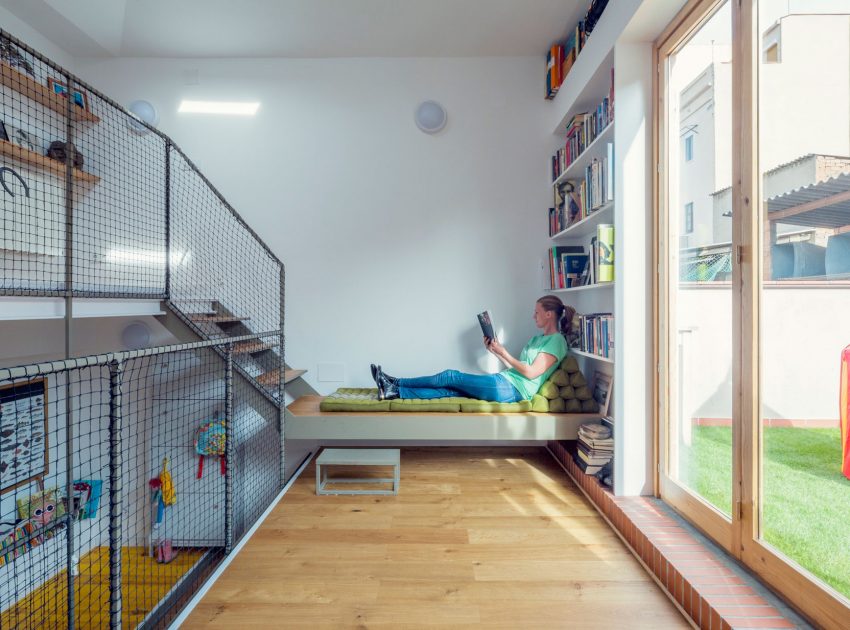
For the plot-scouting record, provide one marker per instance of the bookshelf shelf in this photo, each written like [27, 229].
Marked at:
[591, 355]
[586, 287]
[42, 161]
[587, 226]
[596, 150]
[41, 94]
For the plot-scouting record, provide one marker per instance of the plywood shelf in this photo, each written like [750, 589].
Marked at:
[41, 94]
[271, 379]
[591, 355]
[21, 154]
[585, 287]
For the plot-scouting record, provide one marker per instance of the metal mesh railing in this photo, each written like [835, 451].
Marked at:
[93, 535]
[98, 204]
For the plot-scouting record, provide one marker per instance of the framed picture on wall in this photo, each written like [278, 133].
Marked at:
[80, 98]
[602, 391]
[23, 433]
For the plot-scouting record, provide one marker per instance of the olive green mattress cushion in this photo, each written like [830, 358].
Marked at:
[366, 399]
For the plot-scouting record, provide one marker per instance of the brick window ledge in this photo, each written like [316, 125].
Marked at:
[706, 584]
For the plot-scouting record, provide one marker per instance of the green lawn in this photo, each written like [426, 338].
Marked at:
[806, 506]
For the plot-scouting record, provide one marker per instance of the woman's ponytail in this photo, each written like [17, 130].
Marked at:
[563, 312]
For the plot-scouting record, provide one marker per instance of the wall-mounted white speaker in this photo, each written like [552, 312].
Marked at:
[430, 117]
[143, 110]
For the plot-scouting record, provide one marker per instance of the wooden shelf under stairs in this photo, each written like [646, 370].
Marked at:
[205, 318]
[252, 347]
[271, 379]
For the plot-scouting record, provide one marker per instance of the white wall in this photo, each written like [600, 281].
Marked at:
[392, 240]
[34, 39]
[803, 333]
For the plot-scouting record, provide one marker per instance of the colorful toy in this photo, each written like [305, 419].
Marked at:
[210, 441]
[844, 411]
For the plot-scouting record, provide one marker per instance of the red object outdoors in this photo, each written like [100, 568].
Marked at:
[844, 402]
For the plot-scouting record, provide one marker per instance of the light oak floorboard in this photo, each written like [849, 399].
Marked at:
[476, 537]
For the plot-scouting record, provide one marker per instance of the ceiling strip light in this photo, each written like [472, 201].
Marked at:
[218, 107]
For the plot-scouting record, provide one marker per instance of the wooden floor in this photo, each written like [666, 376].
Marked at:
[144, 583]
[476, 537]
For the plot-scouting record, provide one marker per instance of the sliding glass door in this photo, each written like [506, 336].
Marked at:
[753, 246]
[697, 296]
[803, 139]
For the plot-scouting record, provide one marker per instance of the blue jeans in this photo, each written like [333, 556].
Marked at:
[491, 387]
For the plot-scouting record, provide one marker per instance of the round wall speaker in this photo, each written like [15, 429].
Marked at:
[143, 110]
[430, 116]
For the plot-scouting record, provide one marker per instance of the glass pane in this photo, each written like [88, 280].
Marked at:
[699, 109]
[804, 158]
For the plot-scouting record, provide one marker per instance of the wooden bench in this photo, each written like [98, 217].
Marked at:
[305, 421]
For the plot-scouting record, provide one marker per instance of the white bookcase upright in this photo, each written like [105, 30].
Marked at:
[622, 40]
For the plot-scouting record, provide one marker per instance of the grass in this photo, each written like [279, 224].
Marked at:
[806, 505]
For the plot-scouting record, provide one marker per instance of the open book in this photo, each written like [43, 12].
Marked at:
[486, 325]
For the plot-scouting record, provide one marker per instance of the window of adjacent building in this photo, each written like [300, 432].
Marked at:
[689, 217]
[689, 148]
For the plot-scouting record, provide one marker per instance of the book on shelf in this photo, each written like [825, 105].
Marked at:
[562, 56]
[581, 131]
[596, 334]
[566, 263]
[605, 253]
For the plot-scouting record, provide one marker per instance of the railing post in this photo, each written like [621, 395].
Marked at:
[228, 448]
[116, 371]
[69, 319]
[281, 410]
[168, 220]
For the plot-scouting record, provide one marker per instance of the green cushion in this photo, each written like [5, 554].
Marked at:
[577, 379]
[557, 405]
[567, 392]
[470, 405]
[573, 406]
[589, 406]
[354, 399]
[560, 378]
[570, 364]
[423, 405]
[539, 403]
[549, 390]
[583, 393]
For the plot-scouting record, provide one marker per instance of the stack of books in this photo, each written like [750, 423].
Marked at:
[554, 69]
[596, 334]
[595, 447]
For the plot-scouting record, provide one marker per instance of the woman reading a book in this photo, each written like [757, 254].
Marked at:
[539, 359]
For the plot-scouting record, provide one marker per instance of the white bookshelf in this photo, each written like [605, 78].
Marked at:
[622, 41]
[585, 287]
[591, 355]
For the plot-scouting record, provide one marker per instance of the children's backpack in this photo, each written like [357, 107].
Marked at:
[209, 441]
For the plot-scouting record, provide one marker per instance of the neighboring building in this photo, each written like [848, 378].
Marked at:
[804, 111]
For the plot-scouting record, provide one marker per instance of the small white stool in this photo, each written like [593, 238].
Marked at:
[357, 457]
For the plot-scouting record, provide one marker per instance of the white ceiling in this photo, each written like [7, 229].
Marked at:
[300, 28]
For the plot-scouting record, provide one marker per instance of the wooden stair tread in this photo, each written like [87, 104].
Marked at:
[249, 347]
[216, 319]
[271, 379]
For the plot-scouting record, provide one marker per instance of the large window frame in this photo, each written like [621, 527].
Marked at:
[740, 534]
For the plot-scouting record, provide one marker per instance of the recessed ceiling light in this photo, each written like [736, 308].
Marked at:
[218, 107]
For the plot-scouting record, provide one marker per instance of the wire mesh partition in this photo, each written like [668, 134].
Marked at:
[124, 479]
[98, 204]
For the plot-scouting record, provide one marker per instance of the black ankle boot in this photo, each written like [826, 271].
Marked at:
[387, 389]
[374, 368]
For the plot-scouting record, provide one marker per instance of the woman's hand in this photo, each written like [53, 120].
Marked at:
[494, 347]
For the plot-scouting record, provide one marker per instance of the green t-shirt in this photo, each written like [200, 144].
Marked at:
[555, 345]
